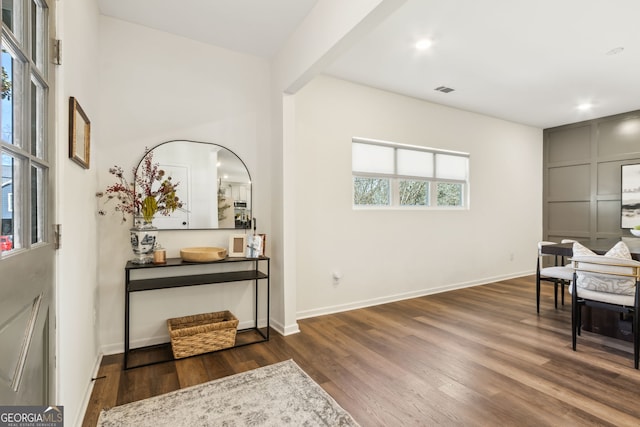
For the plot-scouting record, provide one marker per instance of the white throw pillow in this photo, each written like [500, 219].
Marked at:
[620, 250]
[581, 250]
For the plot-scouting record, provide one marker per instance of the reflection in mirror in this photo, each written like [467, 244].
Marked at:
[214, 186]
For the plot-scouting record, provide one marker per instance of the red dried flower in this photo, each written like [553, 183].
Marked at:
[146, 197]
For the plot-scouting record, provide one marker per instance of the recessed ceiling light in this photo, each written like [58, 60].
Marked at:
[424, 44]
[585, 106]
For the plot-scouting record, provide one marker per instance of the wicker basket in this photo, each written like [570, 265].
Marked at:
[202, 333]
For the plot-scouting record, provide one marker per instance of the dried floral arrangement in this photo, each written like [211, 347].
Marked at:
[153, 192]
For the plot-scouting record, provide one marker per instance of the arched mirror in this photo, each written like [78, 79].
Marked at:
[214, 186]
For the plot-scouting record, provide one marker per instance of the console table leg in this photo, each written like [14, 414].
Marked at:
[126, 328]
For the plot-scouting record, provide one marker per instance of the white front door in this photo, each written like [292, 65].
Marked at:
[26, 248]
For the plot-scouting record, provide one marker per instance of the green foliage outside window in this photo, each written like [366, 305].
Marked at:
[6, 85]
[371, 191]
[449, 194]
[414, 193]
[377, 192]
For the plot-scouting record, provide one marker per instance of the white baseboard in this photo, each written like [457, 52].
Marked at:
[87, 394]
[403, 296]
[284, 330]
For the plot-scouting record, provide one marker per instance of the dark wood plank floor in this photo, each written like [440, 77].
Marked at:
[474, 357]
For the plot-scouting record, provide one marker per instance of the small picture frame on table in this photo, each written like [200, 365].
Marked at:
[237, 245]
[263, 252]
[254, 246]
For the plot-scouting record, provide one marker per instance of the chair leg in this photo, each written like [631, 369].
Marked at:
[574, 330]
[579, 317]
[562, 290]
[575, 310]
[636, 339]
[538, 287]
[636, 328]
[555, 293]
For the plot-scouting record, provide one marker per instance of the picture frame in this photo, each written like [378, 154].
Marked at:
[237, 245]
[263, 252]
[79, 134]
[630, 196]
[254, 246]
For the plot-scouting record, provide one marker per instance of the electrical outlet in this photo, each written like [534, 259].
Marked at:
[337, 277]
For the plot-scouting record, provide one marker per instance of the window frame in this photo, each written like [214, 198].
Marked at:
[395, 178]
[31, 143]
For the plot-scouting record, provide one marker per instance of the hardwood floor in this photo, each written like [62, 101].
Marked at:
[475, 357]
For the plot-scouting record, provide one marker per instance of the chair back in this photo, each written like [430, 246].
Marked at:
[606, 274]
[544, 243]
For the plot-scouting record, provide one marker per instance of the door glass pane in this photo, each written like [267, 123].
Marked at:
[37, 204]
[11, 104]
[37, 119]
[38, 20]
[11, 16]
[9, 205]
[23, 121]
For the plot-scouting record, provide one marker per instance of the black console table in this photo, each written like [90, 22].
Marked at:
[186, 279]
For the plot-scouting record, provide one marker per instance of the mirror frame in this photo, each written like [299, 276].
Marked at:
[222, 147]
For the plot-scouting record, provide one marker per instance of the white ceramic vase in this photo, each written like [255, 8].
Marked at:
[143, 240]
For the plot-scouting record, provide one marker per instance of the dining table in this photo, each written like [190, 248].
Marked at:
[599, 246]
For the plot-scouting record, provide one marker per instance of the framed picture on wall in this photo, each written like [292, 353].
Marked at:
[79, 134]
[630, 211]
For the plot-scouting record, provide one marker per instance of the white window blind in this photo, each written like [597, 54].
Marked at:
[372, 158]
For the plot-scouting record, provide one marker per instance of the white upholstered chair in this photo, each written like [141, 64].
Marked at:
[606, 282]
[566, 265]
[558, 274]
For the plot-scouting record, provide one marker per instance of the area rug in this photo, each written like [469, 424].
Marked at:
[277, 395]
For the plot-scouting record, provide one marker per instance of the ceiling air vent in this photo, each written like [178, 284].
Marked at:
[444, 89]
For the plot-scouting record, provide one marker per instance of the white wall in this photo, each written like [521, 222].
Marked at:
[329, 29]
[155, 87]
[77, 347]
[387, 255]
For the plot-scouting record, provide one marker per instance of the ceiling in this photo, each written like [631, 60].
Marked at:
[531, 62]
[256, 27]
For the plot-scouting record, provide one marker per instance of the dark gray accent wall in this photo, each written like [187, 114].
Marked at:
[581, 177]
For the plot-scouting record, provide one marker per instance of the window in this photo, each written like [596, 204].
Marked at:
[23, 122]
[395, 175]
